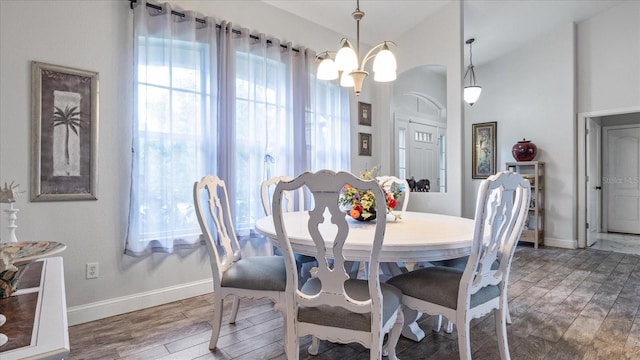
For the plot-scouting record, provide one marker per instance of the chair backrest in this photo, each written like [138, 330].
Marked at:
[388, 181]
[266, 191]
[325, 187]
[224, 249]
[501, 209]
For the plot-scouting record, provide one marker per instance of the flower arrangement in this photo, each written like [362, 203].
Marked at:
[361, 204]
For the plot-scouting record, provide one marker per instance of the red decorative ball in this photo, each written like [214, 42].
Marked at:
[524, 150]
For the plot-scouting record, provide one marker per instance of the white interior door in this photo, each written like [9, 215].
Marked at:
[622, 172]
[423, 145]
[594, 183]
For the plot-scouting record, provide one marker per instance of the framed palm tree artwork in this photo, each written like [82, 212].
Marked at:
[64, 110]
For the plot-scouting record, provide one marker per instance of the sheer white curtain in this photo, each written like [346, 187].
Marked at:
[212, 100]
[173, 136]
[328, 135]
[261, 136]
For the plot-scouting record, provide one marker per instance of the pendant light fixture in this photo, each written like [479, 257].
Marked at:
[349, 68]
[471, 92]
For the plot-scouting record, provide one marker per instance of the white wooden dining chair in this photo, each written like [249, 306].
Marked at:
[479, 289]
[304, 263]
[387, 182]
[233, 275]
[331, 305]
[289, 203]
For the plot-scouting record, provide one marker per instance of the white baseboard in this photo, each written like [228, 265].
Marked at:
[561, 243]
[106, 308]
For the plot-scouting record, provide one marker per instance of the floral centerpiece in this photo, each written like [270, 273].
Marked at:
[361, 204]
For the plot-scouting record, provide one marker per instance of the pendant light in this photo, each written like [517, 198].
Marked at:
[471, 92]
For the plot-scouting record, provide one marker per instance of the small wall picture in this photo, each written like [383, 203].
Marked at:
[64, 106]
[484, 150]
[365, 144]
[364, 114]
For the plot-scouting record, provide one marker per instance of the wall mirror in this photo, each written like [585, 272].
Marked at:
[418, 105]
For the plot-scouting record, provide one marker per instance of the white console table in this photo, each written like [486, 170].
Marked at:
[50, 335]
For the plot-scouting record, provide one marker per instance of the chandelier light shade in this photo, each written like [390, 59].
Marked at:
[346, 58]
[472, 91]
[384, 65]
[347, 64]
[346, 80]
[327, 70]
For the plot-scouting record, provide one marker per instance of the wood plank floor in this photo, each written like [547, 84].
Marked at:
[565, 304]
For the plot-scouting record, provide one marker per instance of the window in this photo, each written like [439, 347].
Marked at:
[442, 171]
[189, 123]
[169, 142]
[328, 127]
[402, 151]
[263, 129]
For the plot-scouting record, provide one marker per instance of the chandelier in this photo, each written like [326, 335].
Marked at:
[349, 68]
[471, 92]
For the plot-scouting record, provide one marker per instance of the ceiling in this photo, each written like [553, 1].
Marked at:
[498, 26]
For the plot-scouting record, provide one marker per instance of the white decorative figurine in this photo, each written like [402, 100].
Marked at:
[8, 195]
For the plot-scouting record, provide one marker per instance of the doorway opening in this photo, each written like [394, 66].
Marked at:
[609, 180]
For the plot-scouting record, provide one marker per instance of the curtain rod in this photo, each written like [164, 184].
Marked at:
[202, 21]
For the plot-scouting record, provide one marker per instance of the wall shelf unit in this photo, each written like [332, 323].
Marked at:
[534, 225]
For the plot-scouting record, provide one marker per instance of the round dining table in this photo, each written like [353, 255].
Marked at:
[416, 237]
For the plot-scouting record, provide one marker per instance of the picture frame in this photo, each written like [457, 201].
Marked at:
[364, 113]
[64, 133]
[483, 148]
[364, 144]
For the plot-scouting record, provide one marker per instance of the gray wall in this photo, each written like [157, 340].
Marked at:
[531, 93]
[609, 59]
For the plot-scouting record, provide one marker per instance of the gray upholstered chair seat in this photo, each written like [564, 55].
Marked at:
[340, 317]
[257, 273]
[421, 283]
[461, 263]
[303, 258]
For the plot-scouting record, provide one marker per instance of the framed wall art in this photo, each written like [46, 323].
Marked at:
[64, 111]
[364, 114]
[364, 144]
[483, 157]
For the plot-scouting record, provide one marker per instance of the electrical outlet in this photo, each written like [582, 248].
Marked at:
[92, 270]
